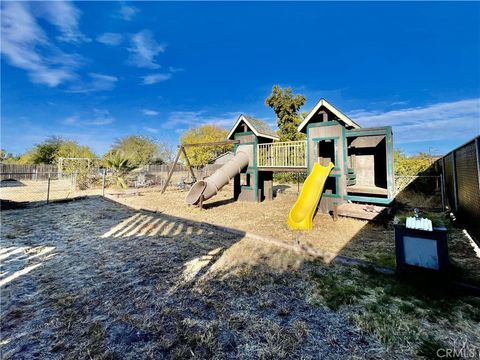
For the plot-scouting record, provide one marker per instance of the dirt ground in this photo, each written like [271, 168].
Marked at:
[354, 238]
[345, 236]
[36, 190]
[94, 279]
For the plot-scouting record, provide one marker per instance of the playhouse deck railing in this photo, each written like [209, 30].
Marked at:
[288, 154]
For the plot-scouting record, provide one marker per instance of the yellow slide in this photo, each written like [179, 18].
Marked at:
[301, 214]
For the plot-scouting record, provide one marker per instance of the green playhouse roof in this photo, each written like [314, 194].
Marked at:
[260, 128]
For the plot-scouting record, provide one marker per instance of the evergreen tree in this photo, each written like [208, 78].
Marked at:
[286, 106]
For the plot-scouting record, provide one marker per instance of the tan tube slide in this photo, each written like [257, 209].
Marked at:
[212, 184]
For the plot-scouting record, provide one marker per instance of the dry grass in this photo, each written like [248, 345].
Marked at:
[95, 280]
[349, 237]
[346, 236]
[416, 317]
[464, 260]
[415, 199]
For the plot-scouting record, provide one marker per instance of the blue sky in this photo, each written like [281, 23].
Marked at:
[96, 71]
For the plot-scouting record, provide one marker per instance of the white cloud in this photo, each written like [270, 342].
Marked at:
[175, 69]
[150, 112]
[65, 16]
[185, 119]
[127, 12]
[459, 120]
[100, 117]
[155, 78]
[97, 82]
[112, 39]
[397, 103]
[26, 46]
[150, 130]
[71, 120]
[144, 49]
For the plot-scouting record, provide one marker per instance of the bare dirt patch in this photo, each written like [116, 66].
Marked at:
[346, 236]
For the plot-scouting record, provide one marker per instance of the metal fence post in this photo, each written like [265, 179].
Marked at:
[442, 191]
[477, 154]
[455, 181]
[104, 173]
[75, 179]
[48, 189]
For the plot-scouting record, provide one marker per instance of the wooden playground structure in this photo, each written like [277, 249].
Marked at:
[361, 183]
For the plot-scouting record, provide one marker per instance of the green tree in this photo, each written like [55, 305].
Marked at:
[419, 164]
[43, 153]
[165, 154]
[29, 157]
[49, 151]
[139, 150]
[8, 158]
[286, 106]
[408, 167]
[201, 155]
[70, 149]
[120, 166]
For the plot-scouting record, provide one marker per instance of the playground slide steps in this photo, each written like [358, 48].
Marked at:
[351, 177]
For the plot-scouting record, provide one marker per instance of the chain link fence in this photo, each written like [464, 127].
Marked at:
[19, 188]
[42, 187]
[423, 191]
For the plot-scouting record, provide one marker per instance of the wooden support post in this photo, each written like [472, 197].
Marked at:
[200, 203]
[216, 143]
[188, 161]
[335, 212]
[182, 150]
[170, 173]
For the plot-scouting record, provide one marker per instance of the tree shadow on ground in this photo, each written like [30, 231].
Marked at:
[126, 282]
[281, 188]
[217, 203]
[375, 241]
[11, 183]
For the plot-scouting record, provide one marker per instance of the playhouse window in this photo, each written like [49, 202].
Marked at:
[367, 160]
[330, 186]
[245, 179]
[326, 152]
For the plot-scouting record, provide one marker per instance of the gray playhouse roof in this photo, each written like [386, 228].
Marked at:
[344, 119]
[259, 127]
